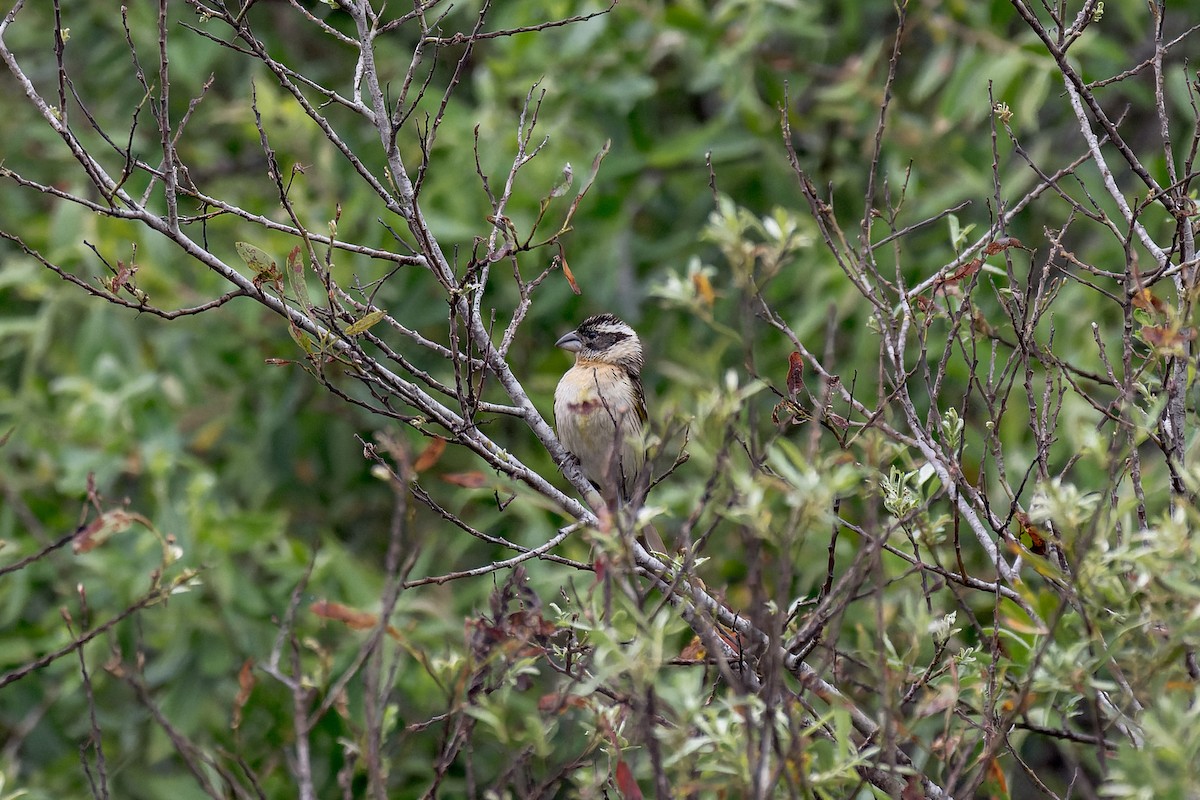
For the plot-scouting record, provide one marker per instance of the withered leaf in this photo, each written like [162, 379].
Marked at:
[570, 276]
[1166, 339]
[1146, 301]
[1037, 537]
[965, 271]
[430, 455]
[1003, 243]
[245, 687]
[101, 529]
[350, 617]
[795, 373]
[468, 480]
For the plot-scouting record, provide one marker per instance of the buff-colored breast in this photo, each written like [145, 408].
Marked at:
[592, 400]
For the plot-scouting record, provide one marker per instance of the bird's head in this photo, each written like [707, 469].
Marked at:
[606, 339]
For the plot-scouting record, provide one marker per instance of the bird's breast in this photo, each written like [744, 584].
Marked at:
[597, 411]
[594, 391]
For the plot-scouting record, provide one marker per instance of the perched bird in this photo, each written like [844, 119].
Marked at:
[600, 408]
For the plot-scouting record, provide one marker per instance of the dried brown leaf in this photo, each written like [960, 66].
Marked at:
[795, 373]
[965, 271]
[467, 480]
[245, 687]
[430, 455]
[101, 529]
[570, 276]
[1003, 243]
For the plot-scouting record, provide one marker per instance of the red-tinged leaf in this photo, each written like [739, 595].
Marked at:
[467, 480]
[626, 784]
[430, 455]
[7, 435]
[245, 680]
[1037, 537]
[101, 529]
[245, 687]
[1002, 244]
[1037, 544]
[570, 276]
[350, 617]
[965, 271]
[996, 784]
[123, 274]
[795, 373]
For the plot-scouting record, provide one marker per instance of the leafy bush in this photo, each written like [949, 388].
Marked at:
[282, 510]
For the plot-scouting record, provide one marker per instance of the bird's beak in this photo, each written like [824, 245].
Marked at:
[570, 341]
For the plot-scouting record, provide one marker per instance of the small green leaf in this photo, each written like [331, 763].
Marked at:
[295, 274]
[301, 338]
[365, 324]
[255, 258]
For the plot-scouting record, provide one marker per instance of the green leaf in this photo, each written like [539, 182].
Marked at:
[255, 258]
[365, 323]
[295, 275]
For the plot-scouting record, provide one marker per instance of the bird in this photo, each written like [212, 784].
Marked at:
[600, 408]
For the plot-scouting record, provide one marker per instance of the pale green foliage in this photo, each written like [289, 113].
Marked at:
[1065, 506]
[756, 249]
[1164, 767]
[255, 482]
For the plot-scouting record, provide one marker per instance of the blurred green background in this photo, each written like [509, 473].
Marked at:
[255, 470]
